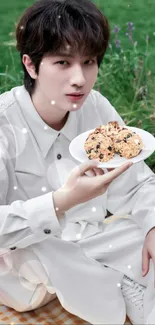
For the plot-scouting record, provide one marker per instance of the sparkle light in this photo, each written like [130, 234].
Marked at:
[44, 189]
[78, 236]
[129, 266]
[74, 105]
[110, 246]
[42, 63]
[94, 209]
[45, 127]
[15, 188]
[119, 285]
[56, 209]
[24, 130]
[17, 92]
[59, 17]
[52, 102]
[21, 27]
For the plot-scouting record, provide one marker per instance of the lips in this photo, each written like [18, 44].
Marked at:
[75, 95]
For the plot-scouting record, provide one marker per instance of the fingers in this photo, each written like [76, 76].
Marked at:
[109, 177]
[98, 171]
[94, 172]
[110, 169]
[90, 173]
[87, 166]
[145, 261]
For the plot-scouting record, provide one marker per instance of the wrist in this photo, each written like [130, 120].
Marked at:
[61, 202]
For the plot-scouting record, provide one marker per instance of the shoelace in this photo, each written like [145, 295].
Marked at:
[134, 292]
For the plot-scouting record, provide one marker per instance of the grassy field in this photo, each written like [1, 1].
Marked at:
[127, 75]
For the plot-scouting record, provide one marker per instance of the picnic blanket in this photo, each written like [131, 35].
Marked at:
[52, 313]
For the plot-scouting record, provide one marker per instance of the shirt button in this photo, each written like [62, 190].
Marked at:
[13, 248]
[47, 231]
[59, 156]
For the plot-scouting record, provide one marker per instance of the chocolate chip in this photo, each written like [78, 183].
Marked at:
[118, 141]
[90, 150]
[101, 156]
[98, 146]
[125, 141]
[93, 138]
[110, 148]
[128, 136]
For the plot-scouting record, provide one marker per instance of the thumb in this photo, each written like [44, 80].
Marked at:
[145, 261]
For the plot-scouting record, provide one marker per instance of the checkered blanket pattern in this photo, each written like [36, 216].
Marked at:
[52, 313]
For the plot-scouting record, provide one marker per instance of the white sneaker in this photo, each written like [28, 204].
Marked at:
[133, 294]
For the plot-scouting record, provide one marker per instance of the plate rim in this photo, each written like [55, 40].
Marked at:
[117, 164]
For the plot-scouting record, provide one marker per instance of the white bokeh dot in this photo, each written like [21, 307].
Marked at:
[59, 17]
[45, 127]
[24, 130]
[78, 236]
[94, 209]
[15, 188]
[129, 266]
[17, 92]
[75, 106]
[42, 63]
[44, 189]
[110, 246]
[21, 27]
[119, 285]
[57, 209]
[52, 102]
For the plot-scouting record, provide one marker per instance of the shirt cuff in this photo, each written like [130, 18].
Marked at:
[41, 215]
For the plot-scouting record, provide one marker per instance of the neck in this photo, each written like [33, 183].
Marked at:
[49, 113]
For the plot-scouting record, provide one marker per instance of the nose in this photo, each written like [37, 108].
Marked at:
[77, 76]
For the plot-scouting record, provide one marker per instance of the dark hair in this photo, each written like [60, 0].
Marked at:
[49, 25]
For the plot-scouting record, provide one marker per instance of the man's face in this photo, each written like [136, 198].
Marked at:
[61, 75]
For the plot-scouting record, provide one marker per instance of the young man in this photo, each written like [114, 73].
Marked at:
[52, 237]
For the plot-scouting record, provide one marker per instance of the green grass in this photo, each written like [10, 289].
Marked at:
[124, 72]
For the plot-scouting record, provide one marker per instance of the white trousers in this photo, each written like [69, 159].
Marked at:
[78, 275]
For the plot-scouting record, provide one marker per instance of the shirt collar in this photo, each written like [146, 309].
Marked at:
[44, 135]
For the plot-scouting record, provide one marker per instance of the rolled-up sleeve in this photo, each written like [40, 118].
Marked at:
[25, 223]
[132, 193]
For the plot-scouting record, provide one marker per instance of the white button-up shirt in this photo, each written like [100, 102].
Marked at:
[35, 161]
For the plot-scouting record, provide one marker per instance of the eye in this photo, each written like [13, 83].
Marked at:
[61, 62]
[93, 61]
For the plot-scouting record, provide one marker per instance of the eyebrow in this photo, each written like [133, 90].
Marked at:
[69, 55]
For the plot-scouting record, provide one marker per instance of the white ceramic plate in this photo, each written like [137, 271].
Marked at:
[77, 151]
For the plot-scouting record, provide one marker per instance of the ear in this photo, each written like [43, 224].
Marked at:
[29, 66]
